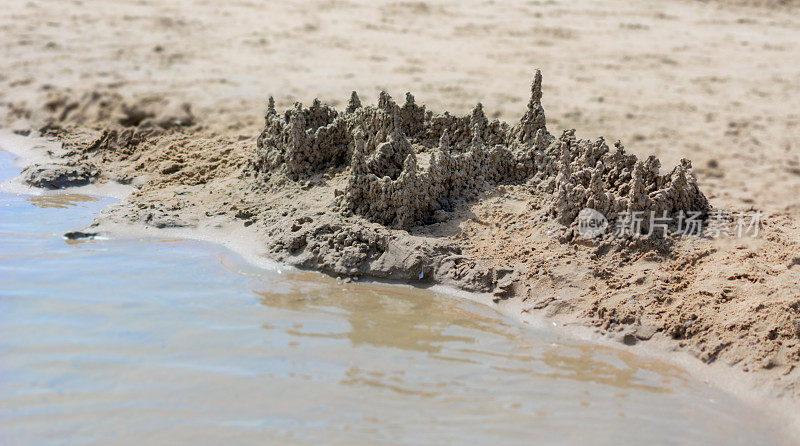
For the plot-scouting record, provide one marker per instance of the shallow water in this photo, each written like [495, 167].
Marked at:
[164, 341]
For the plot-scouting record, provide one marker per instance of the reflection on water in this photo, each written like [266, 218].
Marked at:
[141, 342]
[396, 317]
[60, 200]
[402, 317]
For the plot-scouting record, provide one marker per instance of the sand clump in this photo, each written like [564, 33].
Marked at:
[59, 176]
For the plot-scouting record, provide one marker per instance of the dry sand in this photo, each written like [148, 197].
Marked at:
[171, 99]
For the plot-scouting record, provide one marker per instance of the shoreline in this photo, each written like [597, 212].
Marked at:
[491, 198]
[243, 241]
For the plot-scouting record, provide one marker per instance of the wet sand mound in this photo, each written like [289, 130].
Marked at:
[401, 193]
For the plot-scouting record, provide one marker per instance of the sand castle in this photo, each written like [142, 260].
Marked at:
[407, 164]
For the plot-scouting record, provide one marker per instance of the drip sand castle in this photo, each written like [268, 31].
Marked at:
[398, 192]
[409, 166]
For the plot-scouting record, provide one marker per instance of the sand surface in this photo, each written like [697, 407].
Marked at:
[171, 98]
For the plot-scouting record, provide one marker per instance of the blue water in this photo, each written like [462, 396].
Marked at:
[171, 342]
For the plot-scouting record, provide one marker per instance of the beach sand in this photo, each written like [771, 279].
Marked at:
[171, 98]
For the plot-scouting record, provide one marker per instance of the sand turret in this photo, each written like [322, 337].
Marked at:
[354, 103]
